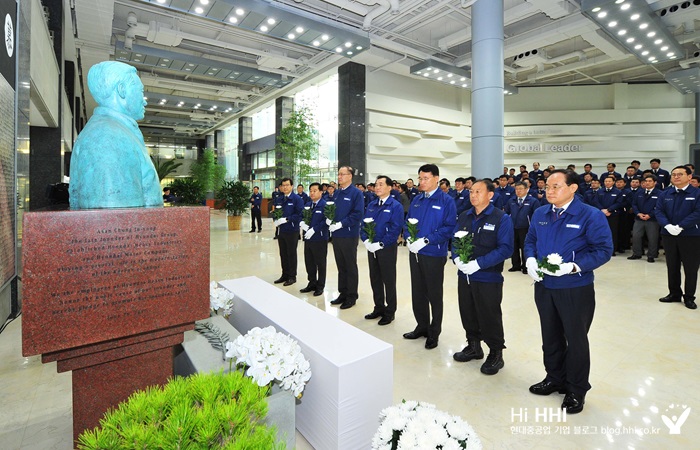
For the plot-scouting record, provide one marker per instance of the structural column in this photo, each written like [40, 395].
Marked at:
[352, 136]
[487, 88]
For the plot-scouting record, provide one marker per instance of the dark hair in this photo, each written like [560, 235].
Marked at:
[410, 179]
[445, 181]
[695, 177]
[655, 160]
[503, 176]
[387, 180]
[691, 165]
[523, 165]
[403, 187]
[587, 165]
[571, 166]
[489, 184]
[612, 164]
[300, 185]
[686, 168]
[570, 175]
[291, 183]
[631, 167]
[324, 185]
[166, 188]
[361, 184]
[650, 175]
[472, 179]
[459, 180]
[256, 187]
[370, 184]
[520, 183]
[318, 185]
[350, 169]
[429, 168]
[635, 161]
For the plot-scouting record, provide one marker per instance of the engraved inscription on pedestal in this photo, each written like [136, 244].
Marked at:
[7, 182]
[96, 275]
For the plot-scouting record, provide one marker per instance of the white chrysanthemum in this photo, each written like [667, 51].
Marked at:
[307, 208]
[368, 220]
[330, 203]
[554, 258]
[412, 221]
[461, 234]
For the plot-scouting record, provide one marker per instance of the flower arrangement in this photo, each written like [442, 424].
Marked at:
[220, 300]
[463, 245]
[550, 263]
[329, 211]
[412, 424]
[306, 215]
[270, 357]
[277, 213]
[412, 227]
[368, 228]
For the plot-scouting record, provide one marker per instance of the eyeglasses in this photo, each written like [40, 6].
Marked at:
[678, 174]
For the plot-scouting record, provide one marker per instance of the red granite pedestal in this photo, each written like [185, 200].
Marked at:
[109, 293]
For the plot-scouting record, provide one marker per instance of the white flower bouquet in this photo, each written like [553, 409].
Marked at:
[271, 357]
[417, 425]
[220, 300]
[549, 263]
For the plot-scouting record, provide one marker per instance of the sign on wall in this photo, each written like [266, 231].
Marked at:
[8, 59]
[540, 147]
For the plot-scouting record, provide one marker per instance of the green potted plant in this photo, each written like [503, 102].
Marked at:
[209, 174]
[187, 191]
[297, 145]
[236, 195]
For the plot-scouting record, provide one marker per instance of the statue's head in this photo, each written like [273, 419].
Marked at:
[117, 86]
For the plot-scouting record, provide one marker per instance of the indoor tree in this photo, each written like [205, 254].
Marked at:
[297, 145]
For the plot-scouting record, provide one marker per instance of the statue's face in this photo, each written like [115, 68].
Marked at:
[135, 105]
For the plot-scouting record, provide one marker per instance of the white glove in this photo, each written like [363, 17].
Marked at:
[532, 269]
[564, 269]
[303, 226]
[310, 232]
[456, 261]
[373, 246]
[675, 230]
[335, 227]
[366, 242]
[461, 266]
[415, 247]
[329, 222]
[280, 221]
[470, 267]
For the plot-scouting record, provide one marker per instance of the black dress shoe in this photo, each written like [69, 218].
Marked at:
[307, 289]
[690, 304]
[281, 279]
[252, 231]
[318, 292]
[373, 315]
[386, 320]
[259, 231]
[415, 334]
[338, 301]
[651, 260]
[669, 299]
[634, 257]
[545, 387]
[524, 271]
[431, 343]
[573, 403]
[290, 281]
[347, 304]
[614, 254]
[514, 269]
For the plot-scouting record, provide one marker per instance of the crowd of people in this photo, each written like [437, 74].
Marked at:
[555, 225]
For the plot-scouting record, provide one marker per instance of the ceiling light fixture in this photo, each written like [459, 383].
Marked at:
[441, 72]
[639, 32]
[686, 81]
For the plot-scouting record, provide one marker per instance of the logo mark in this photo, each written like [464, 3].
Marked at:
[9, 36]
[674, 423]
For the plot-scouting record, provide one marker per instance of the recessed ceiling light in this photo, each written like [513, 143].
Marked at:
[634, 16]
[596, 9]
[670, 54]
[651, 58]
[161, 1]
[651, 34]
[263, 28]
[338, 49]
[349, 53]
[163, 65]
[240, 12]
[426, 74]
[464, 85]
[436, 70]
[625, 7]
[463, 79]
[630, 40]
[325, 37]
[348, 44]
[214, 106]
[199, 10]
[204, 2]
[299, 30]
[166, 60]
[359, 47]
[638, 46]
[198, 105]
[291, 36]
[271, 21]
[188, 69]
[232, 19]
[449, 75]
[622, 32]
[139, 55]
[145, 98]
[452, 82]
[617, 2]
[316, 43]
[645, 52]
[439, 78]
[643, 26]
[658, 41]
[602, 14]
[664, 48]
[612, 24]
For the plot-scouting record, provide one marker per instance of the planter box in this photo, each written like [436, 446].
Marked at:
[197, 355]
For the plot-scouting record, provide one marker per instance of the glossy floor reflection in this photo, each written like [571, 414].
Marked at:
[643, 359]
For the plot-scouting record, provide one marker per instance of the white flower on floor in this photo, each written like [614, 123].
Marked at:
[220, 299]
[415, 425]
[271, 357]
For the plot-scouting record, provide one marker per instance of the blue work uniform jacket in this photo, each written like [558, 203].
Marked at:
[505, 194]
[611, 200]
[663, 178]
[437, 217]
[318, 222]
[349, 210]
[388, 221]
[679, 208]
[462, 201]
[305, 198]
[521, 214]
[492, 240]
[645, 204]
[291, 209]
[256, 200]
[580, 235]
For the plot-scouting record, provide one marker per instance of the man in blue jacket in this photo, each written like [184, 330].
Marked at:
[663, 178]
[504, 191]
[277, 198]
[386, 214]
[315, 243]
[610, 201]
[436, 216]
[255, 212]
[303, 195]
[480, 280]
[345, 229]
[565, 298]
[520, 208]
[643, 206]
[288, 237]
[678, 213]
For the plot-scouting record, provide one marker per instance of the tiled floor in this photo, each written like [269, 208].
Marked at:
[643, 360]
